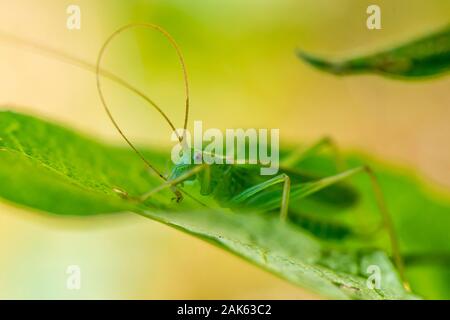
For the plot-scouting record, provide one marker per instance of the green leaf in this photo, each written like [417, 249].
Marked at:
[427, 56]
[50, 168]
[421, 215]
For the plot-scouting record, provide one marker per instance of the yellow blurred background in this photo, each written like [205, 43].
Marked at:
[243, 73]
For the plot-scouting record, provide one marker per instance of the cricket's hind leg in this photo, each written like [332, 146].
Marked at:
[252, 191]
[306, 189]
[298, 155]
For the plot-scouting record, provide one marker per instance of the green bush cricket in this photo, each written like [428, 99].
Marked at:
[240, 186]
[234, 186]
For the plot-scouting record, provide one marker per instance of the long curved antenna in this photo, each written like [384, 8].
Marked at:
[66, 58]
[83, 64]
[100, 91]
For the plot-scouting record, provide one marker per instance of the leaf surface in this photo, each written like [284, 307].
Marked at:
[47, 167]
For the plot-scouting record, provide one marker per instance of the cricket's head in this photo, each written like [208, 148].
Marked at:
[187, 160]
[192, 165]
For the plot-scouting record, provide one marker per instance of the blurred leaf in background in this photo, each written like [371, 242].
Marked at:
[242, 62]
[425, 57]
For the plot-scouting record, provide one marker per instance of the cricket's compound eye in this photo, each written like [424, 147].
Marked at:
[185, 157]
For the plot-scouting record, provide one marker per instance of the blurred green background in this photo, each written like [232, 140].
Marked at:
[243, 73]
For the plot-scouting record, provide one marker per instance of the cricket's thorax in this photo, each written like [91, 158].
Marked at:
[239, 146]
[222, 181]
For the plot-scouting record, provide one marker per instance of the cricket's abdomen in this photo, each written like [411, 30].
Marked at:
[325, 228]
[227, 184]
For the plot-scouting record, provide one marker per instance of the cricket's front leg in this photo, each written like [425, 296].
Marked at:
[172, 184]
